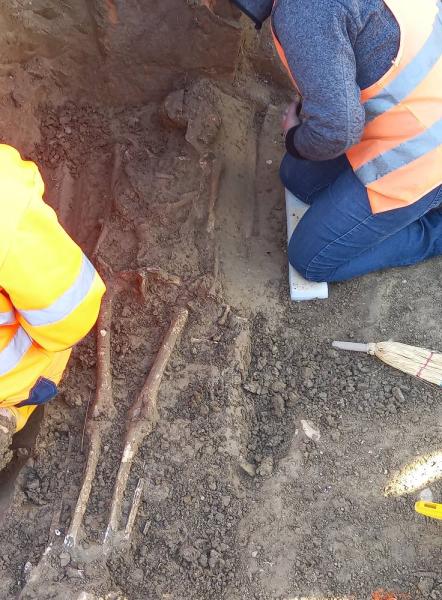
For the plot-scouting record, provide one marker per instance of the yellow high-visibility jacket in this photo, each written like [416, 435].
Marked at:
[50, 294]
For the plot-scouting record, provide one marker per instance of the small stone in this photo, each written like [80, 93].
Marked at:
[398, 394]
[65, 559]
[137, 575]
[204, 410]
[292, 399]
[203, 560]
[225, 500]
[426, 495]
[74, 573]
[310, 430]
[336, 435]
[278, 405]
[248, 468]
[252, 387]
[214, 558]
[174, 108]
[146, 527]
[22, 452]
[33, 484]
[278, 386]
[254, 554]
[266, 467]
[425, 586]
[126, 312]
[189, 554]
[78, 401]
[307, 373]
[27, 570]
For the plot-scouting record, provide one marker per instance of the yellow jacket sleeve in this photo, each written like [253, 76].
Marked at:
[52, 285]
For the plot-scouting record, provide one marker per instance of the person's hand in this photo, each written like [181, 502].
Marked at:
[290, 118]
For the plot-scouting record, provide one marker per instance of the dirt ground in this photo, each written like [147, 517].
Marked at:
[270, 473]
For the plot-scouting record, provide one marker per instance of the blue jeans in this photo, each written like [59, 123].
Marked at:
[340, 238]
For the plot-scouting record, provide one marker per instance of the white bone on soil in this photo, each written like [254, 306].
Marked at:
[102, 410]
[142, 419]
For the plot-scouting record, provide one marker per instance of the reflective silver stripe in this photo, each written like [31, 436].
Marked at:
[7, 318]
[67, 303]
[14, 351]
[402, 155]
[411, 76]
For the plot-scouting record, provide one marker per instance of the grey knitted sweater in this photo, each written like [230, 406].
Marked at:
[334, 49]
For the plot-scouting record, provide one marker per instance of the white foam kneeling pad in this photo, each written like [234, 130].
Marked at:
[300, 288]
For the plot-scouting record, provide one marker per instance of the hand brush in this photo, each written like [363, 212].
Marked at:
[419, 362]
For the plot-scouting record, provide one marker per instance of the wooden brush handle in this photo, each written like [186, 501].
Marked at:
[352, 346]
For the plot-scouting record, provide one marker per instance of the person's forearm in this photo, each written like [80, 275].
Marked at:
[322, 62]
[311, 143]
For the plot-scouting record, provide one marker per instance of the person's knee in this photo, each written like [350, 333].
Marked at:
[291, 174]
[298, 256]
[284, 171]
[311, 267]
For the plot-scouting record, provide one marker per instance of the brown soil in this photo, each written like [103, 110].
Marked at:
[129, 108]
[6, 430]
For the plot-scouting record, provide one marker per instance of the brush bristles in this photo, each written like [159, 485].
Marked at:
[419, 362]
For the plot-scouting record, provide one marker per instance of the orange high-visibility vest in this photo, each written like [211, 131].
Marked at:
[50, 293]
[399, 158]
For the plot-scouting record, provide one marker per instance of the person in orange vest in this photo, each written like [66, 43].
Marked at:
[50, 296]
[364, 143]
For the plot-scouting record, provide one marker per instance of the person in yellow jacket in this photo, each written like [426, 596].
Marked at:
[50, 296]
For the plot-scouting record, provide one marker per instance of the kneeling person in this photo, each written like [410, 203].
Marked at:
[50, 296]
[364, 145]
